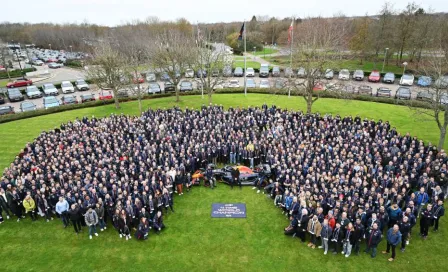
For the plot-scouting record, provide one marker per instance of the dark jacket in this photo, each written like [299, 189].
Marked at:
[374, 238]
[74, 214]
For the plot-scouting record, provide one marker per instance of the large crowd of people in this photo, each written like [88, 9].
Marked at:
[345, 183]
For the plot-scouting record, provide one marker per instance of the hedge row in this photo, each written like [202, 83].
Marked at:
[323, 94]
[16, 73]
[73, 63]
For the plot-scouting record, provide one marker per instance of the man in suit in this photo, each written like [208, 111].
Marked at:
[373, 239]
[235, 177]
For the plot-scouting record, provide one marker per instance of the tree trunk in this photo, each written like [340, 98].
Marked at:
[441, 138]
[140, 108]
[117, 103]
[177, 94]
[210, 99]
[309, 101]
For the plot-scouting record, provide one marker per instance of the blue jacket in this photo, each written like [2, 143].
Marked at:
[394, 214]
[62, 207]
[421, 199]
[393, 238]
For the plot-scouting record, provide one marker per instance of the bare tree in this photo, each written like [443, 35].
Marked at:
[406, 22]
[3, 53]
[319, 43]
[107, 69]
[211, 58]
[435, 66]
[173, 52]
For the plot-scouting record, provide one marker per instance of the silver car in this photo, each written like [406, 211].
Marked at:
[154, 88]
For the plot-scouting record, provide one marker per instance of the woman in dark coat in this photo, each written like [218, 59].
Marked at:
[143, 229]
[16, 205]
[124, 224]
[158, 222]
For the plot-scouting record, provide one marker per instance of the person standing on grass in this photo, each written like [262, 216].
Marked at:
[425, 221]
[61, 209]
[405, 229]
[17, 205]
[314, 228]
[179, 180]
[421, 198]
[373, 238]
[437, 212]
[336, 238]
[349, 240]
[100, 212]
[358, 235]
[325, 235]
[91, 219]
[75, 217]
[30, 207]
[124, 223]
[393, 239]
[4, 204]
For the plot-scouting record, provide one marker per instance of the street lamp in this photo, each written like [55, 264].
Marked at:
[384, 61]
[49, 45]
[71, 49]
[404, 66]
[255, 48]
[264, 49]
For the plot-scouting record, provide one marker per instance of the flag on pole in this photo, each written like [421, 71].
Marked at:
[240, 37]
[290, 32]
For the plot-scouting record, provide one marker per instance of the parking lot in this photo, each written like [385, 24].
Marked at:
[73, 74]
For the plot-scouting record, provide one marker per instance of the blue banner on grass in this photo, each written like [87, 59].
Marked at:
[229, 210]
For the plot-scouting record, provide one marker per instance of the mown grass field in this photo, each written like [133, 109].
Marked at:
[249, 63]
[265, 51]
[193, 241]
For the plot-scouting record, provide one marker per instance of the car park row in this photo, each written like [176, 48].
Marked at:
[376, 86]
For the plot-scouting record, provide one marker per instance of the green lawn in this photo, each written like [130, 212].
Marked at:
[3, 82]
[266, 51]
[193, 241]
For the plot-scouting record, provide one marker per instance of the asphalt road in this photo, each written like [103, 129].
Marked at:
[72, 74]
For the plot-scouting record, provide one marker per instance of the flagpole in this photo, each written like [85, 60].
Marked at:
[291, 42]
[244, 33]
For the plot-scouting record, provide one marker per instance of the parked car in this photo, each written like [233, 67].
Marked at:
[444, 99]
[358, 75]
[38, 62]
[238, 72]
[122, 93]
[383, 91]
[424, 81]
[67, 87]
[69, 99]
[250, 83]
[280, 84]
[81, 85]
[54, 65]
[374, 76]
[264, 84]
[202, 72]
[403, 93]
[349, 89]
[318, 87]
[425, 95]
[227, 71]
[14, 95]
[2, 99]
[407, 80]
[50, 102]
[389, 78]
[186, 86]
[153, 88]
[365, 89]
[33, 92]
[289, 72]
[168, 87]
[105, 94]
[165, 77]
[6, 110]
[151, 77]
[442, 82]
[301, 72]
[137, 78]
[22, 82]
[234, 83]
[189, 73]
[275, 71]
[344, 74]
[264, 70]
[215, 72]
[50, 89]
[329, 74]
[250, 72]
[27, 106]
[87, 97]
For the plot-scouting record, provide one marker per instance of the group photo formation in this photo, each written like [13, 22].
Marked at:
[243, 138]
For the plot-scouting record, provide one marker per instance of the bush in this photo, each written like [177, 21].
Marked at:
[73, 63]
[16, 73]
[323, 94]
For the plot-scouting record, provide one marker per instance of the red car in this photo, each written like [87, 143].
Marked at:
[22, 82]
[318, 87]
[2, 68]
[374, 76]
[105, 94]
[52, 60]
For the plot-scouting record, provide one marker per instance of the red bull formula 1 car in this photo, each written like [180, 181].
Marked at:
[248, 176]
